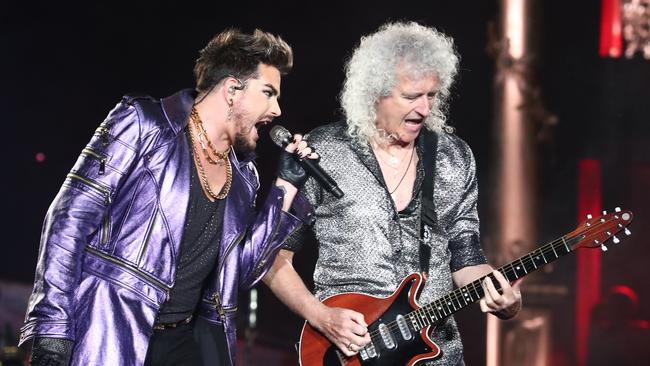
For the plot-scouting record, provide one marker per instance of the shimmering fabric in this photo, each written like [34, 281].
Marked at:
[366, 246]
[111, 238]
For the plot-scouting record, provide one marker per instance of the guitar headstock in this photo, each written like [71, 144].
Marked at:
[595, 231]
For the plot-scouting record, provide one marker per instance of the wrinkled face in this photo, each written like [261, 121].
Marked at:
[257, 107]
[402, 113]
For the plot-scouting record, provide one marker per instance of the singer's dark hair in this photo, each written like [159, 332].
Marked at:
[233, 53]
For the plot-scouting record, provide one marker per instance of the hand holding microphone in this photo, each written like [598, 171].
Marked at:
[295, 168]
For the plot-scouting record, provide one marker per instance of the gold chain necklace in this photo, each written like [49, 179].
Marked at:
[221, 156]
[204, 177]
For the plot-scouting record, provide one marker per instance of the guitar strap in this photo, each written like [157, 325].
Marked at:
[429, 152]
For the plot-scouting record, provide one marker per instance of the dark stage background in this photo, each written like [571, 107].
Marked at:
[63, 67]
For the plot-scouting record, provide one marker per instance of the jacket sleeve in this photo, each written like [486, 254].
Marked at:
[74, 220]
[464, 236]
[266, 235]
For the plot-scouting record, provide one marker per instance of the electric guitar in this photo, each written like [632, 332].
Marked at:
[400, 327]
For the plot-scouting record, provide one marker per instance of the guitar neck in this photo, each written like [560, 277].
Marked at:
[469, 294]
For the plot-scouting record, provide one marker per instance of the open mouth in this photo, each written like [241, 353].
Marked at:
[262, 123]
[262, 127]
[415, 121]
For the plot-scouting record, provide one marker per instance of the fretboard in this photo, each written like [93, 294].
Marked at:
[469, 294]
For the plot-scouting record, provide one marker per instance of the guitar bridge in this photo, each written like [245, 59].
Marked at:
[368, 352]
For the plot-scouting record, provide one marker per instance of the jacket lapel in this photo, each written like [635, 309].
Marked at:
[171, 165]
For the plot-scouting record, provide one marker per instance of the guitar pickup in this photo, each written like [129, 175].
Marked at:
[403, 327]
[387, 336]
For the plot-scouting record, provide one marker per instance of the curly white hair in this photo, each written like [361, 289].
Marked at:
[371, 73]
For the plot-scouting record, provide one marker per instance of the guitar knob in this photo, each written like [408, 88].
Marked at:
[603, 247]
[617, 209]
[604, 212]
[627, 232]
[589, 216]
[615, 240]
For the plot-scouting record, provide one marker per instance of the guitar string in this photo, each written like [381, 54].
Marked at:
[456, 294]
[509, 269]
[423, 314]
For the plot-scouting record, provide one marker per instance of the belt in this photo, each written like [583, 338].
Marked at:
[163, 326]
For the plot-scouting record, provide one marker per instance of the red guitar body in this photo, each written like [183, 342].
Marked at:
[315, 349]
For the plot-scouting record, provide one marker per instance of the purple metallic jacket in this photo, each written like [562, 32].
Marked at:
[111, 238]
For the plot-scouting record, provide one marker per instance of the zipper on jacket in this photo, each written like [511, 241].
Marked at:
[131, 268]
[102, 159]
[106, 223]
[92, 184]
[147, 237]
[106, 226]
[217, 295]
[103, 135]
[219, 306]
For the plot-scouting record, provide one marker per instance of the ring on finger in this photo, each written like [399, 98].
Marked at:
[350, 347]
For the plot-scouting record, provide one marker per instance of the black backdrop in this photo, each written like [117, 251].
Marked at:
[64, 66]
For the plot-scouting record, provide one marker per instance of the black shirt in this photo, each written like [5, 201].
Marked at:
[199, 251]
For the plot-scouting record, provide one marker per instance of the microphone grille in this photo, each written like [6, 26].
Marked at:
[280, 135]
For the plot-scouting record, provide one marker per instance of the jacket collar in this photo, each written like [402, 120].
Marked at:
[177, 108]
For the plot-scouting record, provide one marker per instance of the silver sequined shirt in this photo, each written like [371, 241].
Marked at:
[366, 246]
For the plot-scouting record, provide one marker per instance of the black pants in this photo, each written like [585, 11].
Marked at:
[183, 346]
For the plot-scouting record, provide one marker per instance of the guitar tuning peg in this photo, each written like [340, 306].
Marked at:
[589, 216]
[627, 232]
[604, 212]
[617, 209]
[603, 247]
[615, 240]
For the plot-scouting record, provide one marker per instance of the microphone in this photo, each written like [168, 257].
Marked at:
[282, 137]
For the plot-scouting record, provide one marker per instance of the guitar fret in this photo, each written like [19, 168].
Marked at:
[414, 322]
[450, 301]
[524, 266]
[435, 311]
[442, 308]
[431, 313]
[466, 294]
[565, 245]
[423, 318]
[463, 295]
[419, 320]
[554, 252]
[479, 294]
[513, 271]
[458, 298]
[543, 256]
[532, 259]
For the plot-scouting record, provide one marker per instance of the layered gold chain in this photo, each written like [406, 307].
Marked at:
[204, 178]
[220, 156]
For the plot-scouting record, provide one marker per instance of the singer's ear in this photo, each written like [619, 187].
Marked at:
[230, 87]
